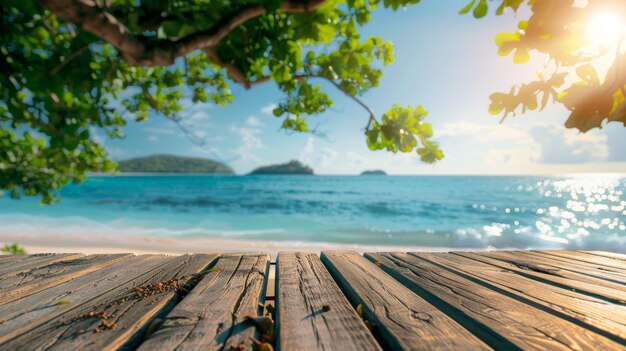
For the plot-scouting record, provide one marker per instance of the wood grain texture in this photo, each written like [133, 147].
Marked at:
[13, 287]
[24, 263]
[127, 312]
[593, 262]
[547, 275]
[495, 317]
[561, 307]
[404, 320]
[22, 315]
[212, 316]
[605, 273]
[614, 255]
[313, 313]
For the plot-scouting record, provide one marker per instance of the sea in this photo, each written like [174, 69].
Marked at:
[479, 212]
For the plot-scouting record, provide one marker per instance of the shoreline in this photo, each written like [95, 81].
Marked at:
[98, 243]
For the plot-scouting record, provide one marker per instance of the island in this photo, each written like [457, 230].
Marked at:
[374, 172]
[291, 167]
[173, 164]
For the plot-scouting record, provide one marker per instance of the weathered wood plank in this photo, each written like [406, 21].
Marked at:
[24, 314]
[23, 263]
[7, 257]
[597, 262]
[212, 316]
[609, 254]
[611, 274]
[118, 318]
[404, 320]
[312, 312]
[13, 287]
[503, 322]
[600, 316]
[546, 275]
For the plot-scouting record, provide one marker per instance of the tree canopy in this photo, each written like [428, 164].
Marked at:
[74, 67]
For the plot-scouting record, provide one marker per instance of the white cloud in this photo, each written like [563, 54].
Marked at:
[513, 156]
[153, 138]
[252, 121]
[268, 109]
[550, 144]
[355, 158]
[250, 143]
[322, 158]
[483, 132]
[208, 151]
[560, 145]
[117, 153]
[164, 130]
[199, 116]
[327, 156]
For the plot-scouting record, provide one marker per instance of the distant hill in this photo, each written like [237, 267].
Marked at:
[374, 172]
[292, 167]
[173, 164]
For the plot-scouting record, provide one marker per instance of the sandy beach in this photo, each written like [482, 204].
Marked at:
[92, 244]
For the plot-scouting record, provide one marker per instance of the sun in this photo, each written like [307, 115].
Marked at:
[606, 29]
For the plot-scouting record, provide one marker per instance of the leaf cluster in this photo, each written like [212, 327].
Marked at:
[63, 88]
[403, 129]
[574, 81]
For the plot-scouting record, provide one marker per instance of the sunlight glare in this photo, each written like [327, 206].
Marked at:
[605, 29]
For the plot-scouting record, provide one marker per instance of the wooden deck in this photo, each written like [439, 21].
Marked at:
[500, 300]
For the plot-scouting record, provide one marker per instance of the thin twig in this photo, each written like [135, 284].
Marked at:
[69, 58]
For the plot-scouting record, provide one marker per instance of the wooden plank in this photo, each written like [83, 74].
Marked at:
[118, 318]
[595, 261]
[600, 316]
[13, 287]
[609, 254]
[547, 275]
[7, 257]
[503, 322]
[612, 274]
[212, 316]
[312, 312]
[404, 320]
[27, 262]
[21, 315]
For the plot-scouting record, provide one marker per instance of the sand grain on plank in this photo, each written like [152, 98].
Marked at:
[212, 316]
[120, 317]
[22, 315]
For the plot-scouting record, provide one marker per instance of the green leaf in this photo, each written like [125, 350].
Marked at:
[481, 9]
[271, 5]
[467, 7]
[521, 55]
[325, 32]
[172, 27]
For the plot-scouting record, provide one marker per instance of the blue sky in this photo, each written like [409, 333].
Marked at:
[444, 61]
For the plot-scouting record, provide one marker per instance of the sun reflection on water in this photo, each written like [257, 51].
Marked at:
[593, 203]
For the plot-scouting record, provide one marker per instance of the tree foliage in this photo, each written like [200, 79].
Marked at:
[560, 29]
[74, 68]
[13, 249]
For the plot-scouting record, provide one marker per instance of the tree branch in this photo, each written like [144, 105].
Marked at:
[89, 16]
[234, 72]
[69, 58]
[372, 115]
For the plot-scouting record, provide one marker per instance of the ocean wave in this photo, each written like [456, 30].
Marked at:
[495, 235]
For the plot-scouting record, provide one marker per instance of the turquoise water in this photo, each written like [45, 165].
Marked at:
[452, 211]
